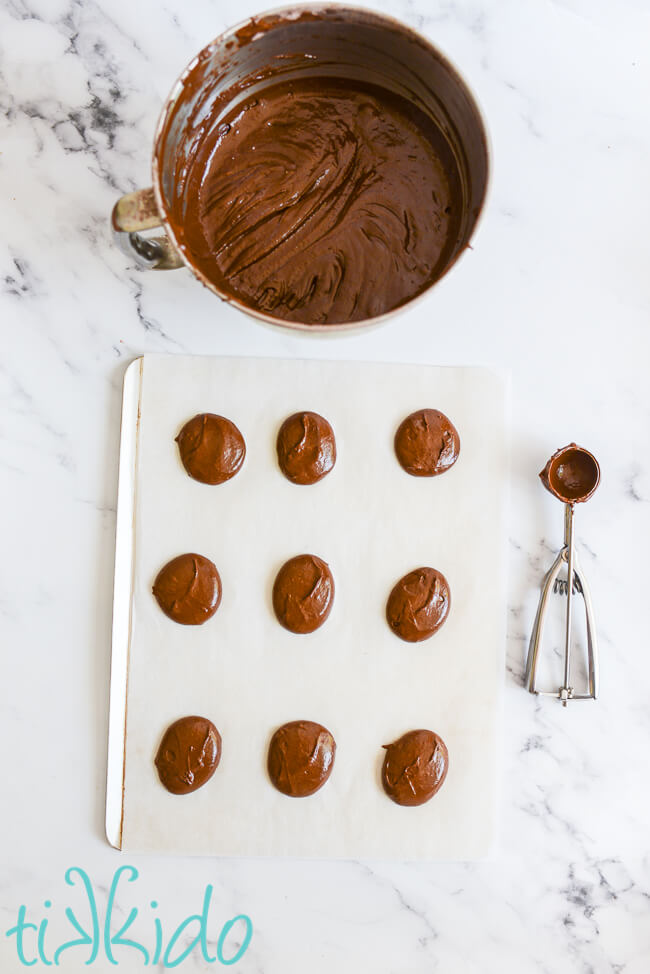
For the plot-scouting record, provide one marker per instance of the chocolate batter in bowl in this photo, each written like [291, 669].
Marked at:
[318, 167]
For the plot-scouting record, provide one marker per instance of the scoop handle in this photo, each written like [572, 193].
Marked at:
[570, 557]
[575, 579]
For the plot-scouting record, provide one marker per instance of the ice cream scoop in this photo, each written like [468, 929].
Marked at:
[572, 475]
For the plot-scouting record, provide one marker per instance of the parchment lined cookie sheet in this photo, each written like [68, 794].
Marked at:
[372, 523]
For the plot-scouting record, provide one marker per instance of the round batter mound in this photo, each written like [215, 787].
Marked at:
[188, 589]
[306, 448]
[427, 443]
[418, 604]
[188, 755]
[301, 758]
[303, 593]
[211, 447]
[415, 767]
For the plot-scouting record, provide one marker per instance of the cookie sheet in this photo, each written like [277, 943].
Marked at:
[372, 523]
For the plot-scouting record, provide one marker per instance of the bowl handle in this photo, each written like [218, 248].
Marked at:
[138, 211]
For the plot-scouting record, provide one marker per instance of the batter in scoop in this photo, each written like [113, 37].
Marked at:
[321, 200]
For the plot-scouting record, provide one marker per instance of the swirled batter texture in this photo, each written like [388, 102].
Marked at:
[415, 767]
[306, 448]
[301, 758]
[188, 755]
[427, 443]
[303, 593]
[211, 447]
[418, 604]
[321, 201]
[188, 589]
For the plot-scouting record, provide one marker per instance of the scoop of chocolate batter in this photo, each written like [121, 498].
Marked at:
[301, 758]
[188, 589]
[188, 755]
[418, 604]
[427, 443]
[320, 200]
[211, 447]
[415, 767]
[572, 474]
[306, 448]
[303, 593]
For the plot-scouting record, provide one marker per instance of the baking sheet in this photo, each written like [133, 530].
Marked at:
[372, 523]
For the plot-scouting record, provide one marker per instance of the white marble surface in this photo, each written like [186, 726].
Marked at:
[557, 290]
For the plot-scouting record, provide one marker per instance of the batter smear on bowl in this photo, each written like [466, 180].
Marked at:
[321, 200]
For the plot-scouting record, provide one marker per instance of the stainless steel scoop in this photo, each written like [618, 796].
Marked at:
[572, 475]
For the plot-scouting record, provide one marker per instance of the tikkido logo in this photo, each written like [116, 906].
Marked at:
[94, 941]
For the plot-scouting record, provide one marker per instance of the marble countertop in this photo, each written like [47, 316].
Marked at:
[556, 291]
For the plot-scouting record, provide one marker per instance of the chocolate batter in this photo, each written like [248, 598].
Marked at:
[572, 474]
[320, 200]
[303, 593]
[306, 448]
[418, 604]
[427, 443]
[301, 758]
[188, 589]
[415, 767]
[212, 448]
[188, 755]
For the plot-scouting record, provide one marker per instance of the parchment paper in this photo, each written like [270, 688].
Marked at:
[372, 523]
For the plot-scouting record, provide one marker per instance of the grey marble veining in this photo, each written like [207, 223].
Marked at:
[556, 291]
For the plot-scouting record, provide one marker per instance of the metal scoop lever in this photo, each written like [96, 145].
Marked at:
[575, 584]
[572, 475]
